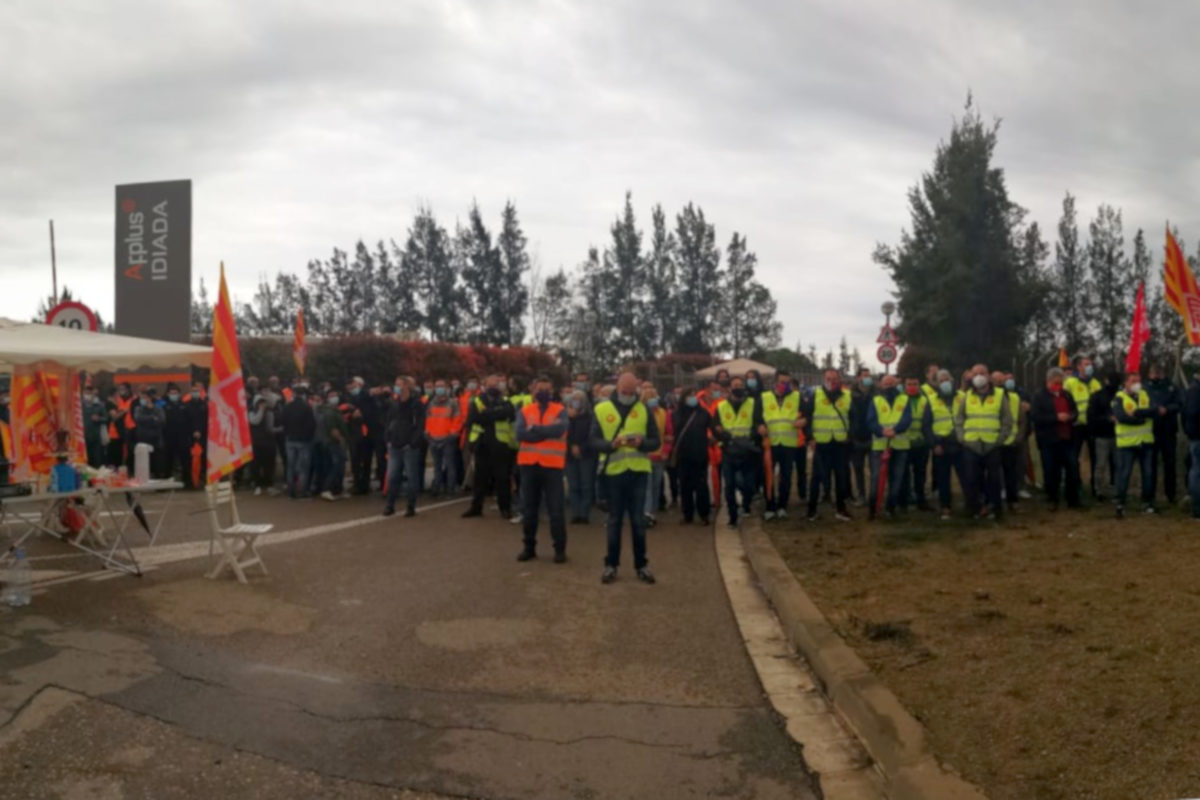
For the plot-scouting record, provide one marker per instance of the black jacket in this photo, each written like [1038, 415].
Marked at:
[1099, 414]
[177, 430]
[1044, 416]
[405, 422]
[298, 420]
[1191, 410]
[692, 445]
[1164, 393]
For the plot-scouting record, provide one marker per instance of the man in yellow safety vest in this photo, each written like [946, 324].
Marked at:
[738, 426]
[1081, 385]
[938, 428]
[785, 429]
[889, 417]
[830, 407]
[490, 422]
[1135, 441]
[982, 422]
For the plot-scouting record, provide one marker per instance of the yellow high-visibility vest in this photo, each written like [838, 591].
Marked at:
[982, 418]
[889, 417]
[1141, 433]
[780, 418]
[624, 458]
[740, 423]
[831, 421]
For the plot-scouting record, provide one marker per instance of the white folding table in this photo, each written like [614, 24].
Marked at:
[103, 532]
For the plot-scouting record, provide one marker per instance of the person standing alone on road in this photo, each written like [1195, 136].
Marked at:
[624, 432]
[541, 459]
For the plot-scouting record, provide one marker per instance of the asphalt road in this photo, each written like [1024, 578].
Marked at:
[397, 655]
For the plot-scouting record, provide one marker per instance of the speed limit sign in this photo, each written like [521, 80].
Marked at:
[886, 353]
[70, 314]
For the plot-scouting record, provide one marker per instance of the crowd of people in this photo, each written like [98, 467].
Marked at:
[621, 447]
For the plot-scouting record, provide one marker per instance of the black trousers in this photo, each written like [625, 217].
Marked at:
[542, 484]
[1011, 468]
[493, 472]
[857, 457]
[1057, 461]
[693, 488]
[177, 454]
[262, 468]
[366, 451]
[1164, 448]
[982, 474]
[830, 466]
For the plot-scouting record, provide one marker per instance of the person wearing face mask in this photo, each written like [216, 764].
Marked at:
[937, 423]
[121, 425]
[541, 431]
[299, 431]
[95, 424]
[150, 421]
[177, 437]
[581, 461]
[1135, 441]
[1011, 467]
[982, 423]
[862, 395]
[490, 421]
[830, 408]
[332, 437]
[405, 430]
[464, 459]
[1167, 402]
[785, 430]
[889, 418]
[1102, 427]
[1081, 384]
[1053, 412]
[738, 426]
[689, 454]
[658, 458]
[196, 404]
[262, 440]
[442, 425]
[624, 432]
[912, 489]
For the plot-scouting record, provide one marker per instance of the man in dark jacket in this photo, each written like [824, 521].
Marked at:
[581, 461]
[690, 453]
[1102, 432]
[1191, 427]
[490, 429]
[1054, 414]
[861, 394]
[149, 422]
[177, 436]
[371, 446]
[299, 431]
[404, 432]
[1167, 401]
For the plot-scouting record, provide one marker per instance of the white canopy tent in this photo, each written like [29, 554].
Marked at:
[737, 368]
[29, 343]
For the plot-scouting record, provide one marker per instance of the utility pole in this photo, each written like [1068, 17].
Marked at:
[53, 268]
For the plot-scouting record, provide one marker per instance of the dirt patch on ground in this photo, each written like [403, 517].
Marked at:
[218, 608]
[1051, 657]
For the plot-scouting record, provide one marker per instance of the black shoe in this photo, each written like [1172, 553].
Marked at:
[472, 512]
[410, 512]
[560, 557]
[609, 575]
[526, 555]
[1120, 512]
[645, 575]
[387, 512]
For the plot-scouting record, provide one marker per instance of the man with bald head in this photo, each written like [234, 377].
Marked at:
[624, 433]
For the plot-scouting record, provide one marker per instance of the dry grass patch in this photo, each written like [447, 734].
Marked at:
[1052, 657]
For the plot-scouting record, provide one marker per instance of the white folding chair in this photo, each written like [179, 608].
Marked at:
[236, 538]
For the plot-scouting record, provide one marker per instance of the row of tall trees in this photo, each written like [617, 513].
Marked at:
[975, 281]
[673, 290]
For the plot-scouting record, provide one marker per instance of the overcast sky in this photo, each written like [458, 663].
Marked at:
[799, 123]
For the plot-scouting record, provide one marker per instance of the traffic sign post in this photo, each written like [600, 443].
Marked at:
[886, 354]
[70, 314]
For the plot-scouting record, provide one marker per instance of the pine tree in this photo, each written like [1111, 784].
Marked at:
[625, 285]
[700, 282]
[403, 293]
[747, 318]
[662, 312]
[1074, 291]
[1112, 277]
[427, 259]
[550, 311]
[1042, 330]
[511, 295]
[480, 268]
[843, 360]
[384, 316]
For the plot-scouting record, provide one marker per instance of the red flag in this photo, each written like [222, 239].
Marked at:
[1139, 333]
[228, 424]
[299, 348]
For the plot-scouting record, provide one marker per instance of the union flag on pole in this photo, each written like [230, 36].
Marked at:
[299, 348]
[1181, 290]
[228, 426]
[1139, 333]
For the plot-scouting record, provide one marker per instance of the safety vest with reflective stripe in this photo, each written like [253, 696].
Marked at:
[831, 420]
[981, 421]
[1014, 406]
[550, 453]
[914, 434]
[889, 417]
[780, 418]
[943, 416]
[1081, 391]
[740, 423]
[503, 428]
[1141, 433]
[441, 419]
[623, 458]
[114, 430]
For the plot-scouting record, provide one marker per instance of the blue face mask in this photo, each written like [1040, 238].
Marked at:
[397, 388]
[1088, 371]
[691, 401]
[752, 383]
[173, 397]
[440, 391]
[355, 391]
[716, 395]
[868, 383]
[1010, 384]
[652, 402]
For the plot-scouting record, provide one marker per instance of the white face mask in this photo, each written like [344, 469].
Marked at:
[1135, 389]
[979, 381]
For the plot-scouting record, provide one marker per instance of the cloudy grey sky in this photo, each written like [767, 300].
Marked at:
[800, 123]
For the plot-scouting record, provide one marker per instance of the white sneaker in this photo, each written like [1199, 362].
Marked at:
[328, 496]
[781, 514]
[768, 516]
[516, 519]
[257, 491]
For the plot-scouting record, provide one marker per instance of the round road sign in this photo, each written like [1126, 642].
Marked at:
[886, 353]
[70, 314]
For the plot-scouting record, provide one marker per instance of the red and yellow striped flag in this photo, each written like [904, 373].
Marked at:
[1181, 290]
[228, 425]
[1064, 360]
[299, 348]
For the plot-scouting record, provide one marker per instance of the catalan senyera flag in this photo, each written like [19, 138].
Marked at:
[299, 348]
[1064, 360]
[39, 411]
[228, 425]
[1181, 290]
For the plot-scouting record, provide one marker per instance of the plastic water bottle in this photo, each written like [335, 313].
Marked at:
[18, 583]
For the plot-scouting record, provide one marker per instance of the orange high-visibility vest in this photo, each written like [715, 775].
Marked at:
[660, 419]
[122, 405]
[550, 453]
[440, 420]
[6, 448]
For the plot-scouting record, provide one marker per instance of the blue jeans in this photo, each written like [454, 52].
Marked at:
[1193, 478]
[626, 497]
[788, 459]
[895, 478]
[581, 485]
[445, 470]
[335, 464]
[738, 473]
[1143, 454]
[403, 463]
[299, 457]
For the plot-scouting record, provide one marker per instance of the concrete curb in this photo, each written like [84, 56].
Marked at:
[892, 736]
